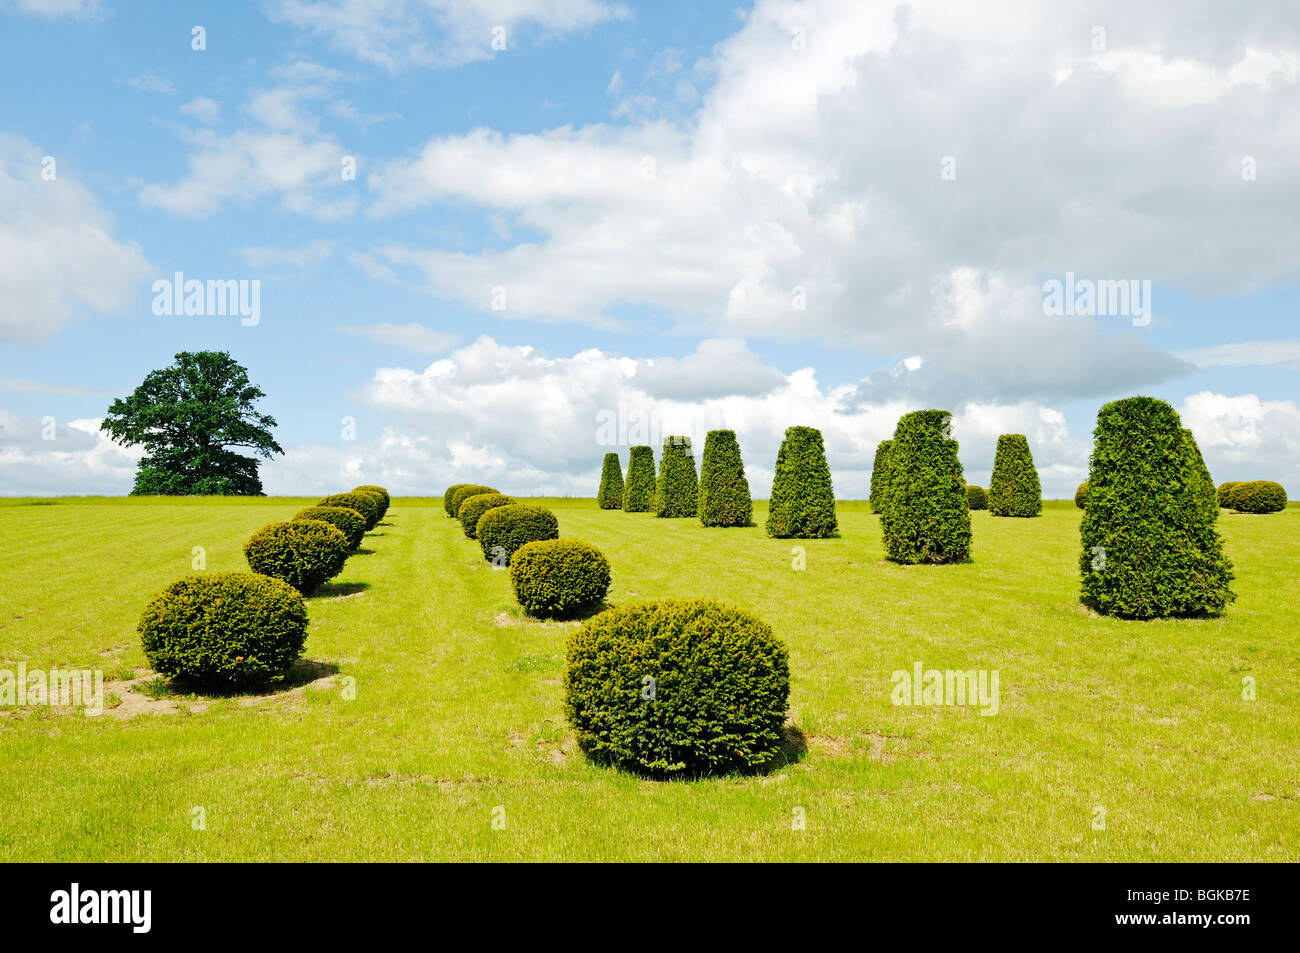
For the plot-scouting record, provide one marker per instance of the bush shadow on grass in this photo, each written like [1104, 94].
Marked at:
[302, 672]
[360, 551]
[338, 590]
[580, 615]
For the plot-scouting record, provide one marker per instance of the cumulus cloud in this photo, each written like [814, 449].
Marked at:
[809, 194]
[720, 367]
[1245, 438]
[59, 254]
[397, 34]
[41, 456]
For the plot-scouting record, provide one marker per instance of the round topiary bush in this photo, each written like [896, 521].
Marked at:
[384, 499]
[554, 578]
[610, 494]
[463, 493]
[367, 504]
[1014, 489]
[1149, 544]
[1225, 493]
[225, 630]
[446, 499]
[346, 520]
[977, 498]
[1259, 496]
[677, 489]
[475, 506]
[926, 515]
[304, 553]
[802, 505]
[677, 688]
[880, 475]
[639, 488]
[503, 529]
[1081, 495]
[724, 490]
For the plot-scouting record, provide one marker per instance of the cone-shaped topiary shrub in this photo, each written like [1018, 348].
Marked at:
[977, 498]
[1014, 489]
[225, 630]
[367, 504]
[1207, 497]
[463, 493]
[472, 510]
[677, 688]
[385, 499]
[610, 494]
[503, 529]
[555, 578]
[1225, 493]
[1081, 495]
[724, 492]
[446, 498]
[803, 501]
[639, 489]
[880, 475]
[1259, 496]
[304, 553]
[346, 520]
[677, 490]
[926, 516]
[1150, 548]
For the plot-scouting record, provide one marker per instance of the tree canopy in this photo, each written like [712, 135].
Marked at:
[188, 417]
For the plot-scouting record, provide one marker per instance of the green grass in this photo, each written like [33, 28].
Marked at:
[456, 714]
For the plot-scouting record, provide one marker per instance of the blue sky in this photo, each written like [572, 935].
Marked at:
[794, 151]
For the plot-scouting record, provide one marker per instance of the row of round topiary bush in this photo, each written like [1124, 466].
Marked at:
[1252, 496]
[229, 631]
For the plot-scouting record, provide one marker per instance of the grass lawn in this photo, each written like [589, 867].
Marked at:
[458, 709]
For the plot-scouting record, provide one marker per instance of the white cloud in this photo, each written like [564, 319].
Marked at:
[78, 460]
[1246, 354]
[306, 256]
[205, 110]
[151, 84]
[59, 256]
[411, 337]
[58, 9]
[720, 367]
[1245, 438]
[396, 34]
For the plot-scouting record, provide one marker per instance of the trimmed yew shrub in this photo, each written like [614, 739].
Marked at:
[1014, 489]
[677, 490]
[225, 630]
[463, 493]
[345, 519]
[446, 498]
[926, 515]
[639, 489]
[610, 494]
[472, 510]
[1081, 495]
[367, 504]
[384, 499]
[803, 501]
[724, 491]
[554, 578]
[1207, 497]
[503, 529]
[879, 475]
[1225, 493]
[677, 688]
[1259, 496]
[1149, 544]
[304, 553]
[977, 498]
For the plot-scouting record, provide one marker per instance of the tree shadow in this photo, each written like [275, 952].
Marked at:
[339, 590]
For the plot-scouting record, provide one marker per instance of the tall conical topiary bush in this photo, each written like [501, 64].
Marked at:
[610, 494]
[1149, 545]
[639, 489]
[1014, 489]
[879, 475]
[1207, 494]
[677, 491]
[926, 515]
[803, 500]
[724, 491]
